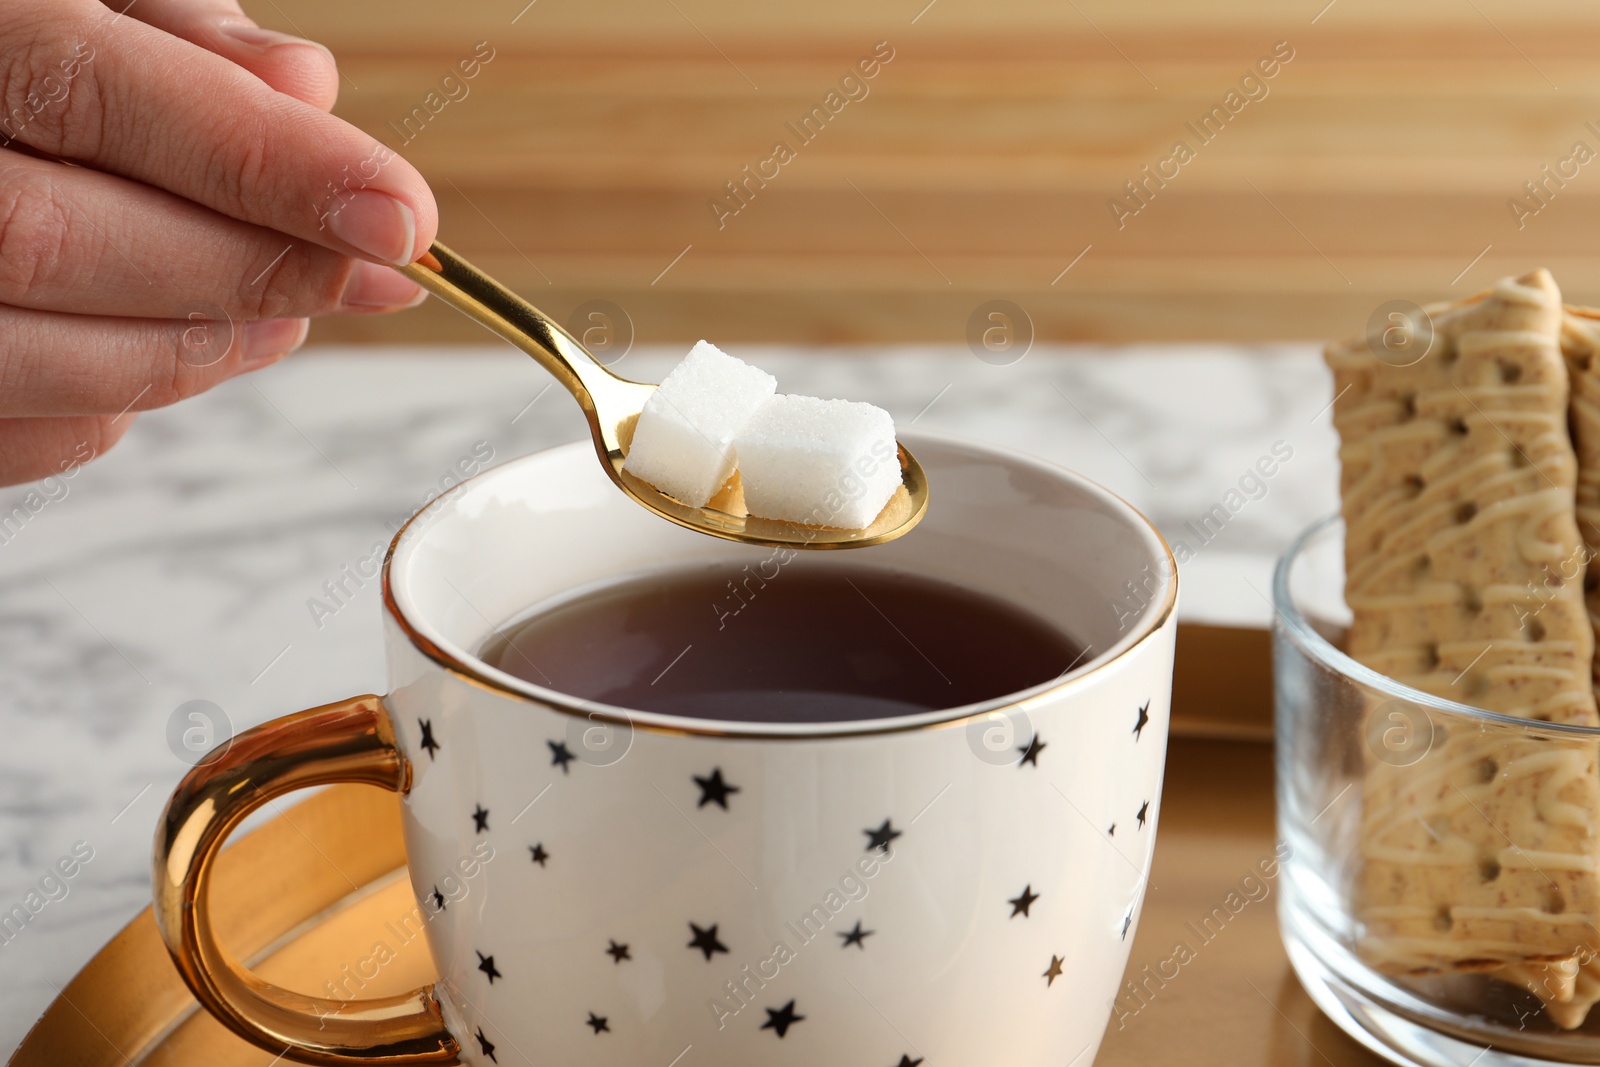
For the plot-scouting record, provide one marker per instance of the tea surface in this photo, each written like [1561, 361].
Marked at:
[812, 643]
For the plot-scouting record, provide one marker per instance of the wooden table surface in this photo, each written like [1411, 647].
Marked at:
[1381, 163]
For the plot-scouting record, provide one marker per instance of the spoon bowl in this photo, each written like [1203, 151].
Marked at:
[611, 404]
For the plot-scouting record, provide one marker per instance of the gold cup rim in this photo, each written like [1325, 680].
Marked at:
[473, 672]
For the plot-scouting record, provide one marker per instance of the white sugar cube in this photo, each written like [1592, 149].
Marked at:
[820, 462]
[683, 443]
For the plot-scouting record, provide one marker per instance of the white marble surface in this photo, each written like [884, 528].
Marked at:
[179, 566]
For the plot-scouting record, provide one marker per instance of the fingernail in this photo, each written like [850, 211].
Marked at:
[269, 340]
[266, 40]
[376, 224]
[375, 286]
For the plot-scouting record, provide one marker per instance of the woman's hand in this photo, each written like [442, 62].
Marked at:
[175, 203]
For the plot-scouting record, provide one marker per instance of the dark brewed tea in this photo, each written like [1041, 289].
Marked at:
[813, 643]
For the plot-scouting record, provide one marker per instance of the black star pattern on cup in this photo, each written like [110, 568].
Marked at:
[485, 1046]
[1053, 971]
[480, 816]
[881, 837]
[438, 898]
[857, 937]
[486, 965]
[1127, 921]
[714, 789]
[1144, 811]
[1020, 904]
[1030, 751]
[618, 953]
[907, 1061]
[780, 1019]
[538, 853]
[1144, 720]
[560, 755]
[1113, 831]
[706, 940]
[427, 741]
[599, 1023]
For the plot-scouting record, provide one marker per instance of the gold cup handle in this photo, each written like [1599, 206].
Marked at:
[349, 741]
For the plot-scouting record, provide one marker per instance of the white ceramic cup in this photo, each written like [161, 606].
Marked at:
[605, 886]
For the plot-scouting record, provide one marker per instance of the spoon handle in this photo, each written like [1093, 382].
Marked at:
[481, 298]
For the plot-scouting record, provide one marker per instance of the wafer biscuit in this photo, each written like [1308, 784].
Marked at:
[1570, 1013]
[1580, 347]
[1567, 988]
[1552, 983]
[1462, 560]
[1567, 1000]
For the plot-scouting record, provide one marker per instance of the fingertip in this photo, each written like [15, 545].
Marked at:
[376, 288]
[112, 427]
[405, 183]
[266, 341]
[427, 215]
[290, 65]
[375, 223]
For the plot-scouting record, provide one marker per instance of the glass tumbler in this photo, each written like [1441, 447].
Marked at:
[1438, 894]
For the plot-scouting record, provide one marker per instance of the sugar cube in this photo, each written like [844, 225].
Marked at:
[683, 443]
[820, 462]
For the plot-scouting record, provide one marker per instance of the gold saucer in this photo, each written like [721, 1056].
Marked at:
[300, 899]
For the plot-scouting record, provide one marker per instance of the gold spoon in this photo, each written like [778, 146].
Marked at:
[612, 405]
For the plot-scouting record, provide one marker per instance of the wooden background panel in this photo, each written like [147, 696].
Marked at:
[404, 21]
[586, 157]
